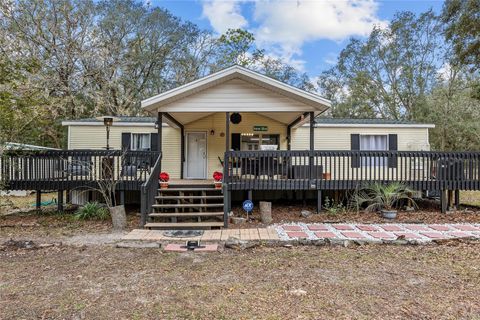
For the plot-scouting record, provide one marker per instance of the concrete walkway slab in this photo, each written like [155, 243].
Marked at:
[253, 234]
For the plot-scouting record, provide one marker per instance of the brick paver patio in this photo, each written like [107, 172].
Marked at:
[378, 232]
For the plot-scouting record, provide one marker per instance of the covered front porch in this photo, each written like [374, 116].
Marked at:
[205, 139]
[235, 109]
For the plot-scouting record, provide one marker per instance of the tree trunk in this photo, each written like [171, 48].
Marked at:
[119, 217]
[266, 212]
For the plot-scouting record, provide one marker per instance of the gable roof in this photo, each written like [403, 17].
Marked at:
[120, 121]
[314, 101]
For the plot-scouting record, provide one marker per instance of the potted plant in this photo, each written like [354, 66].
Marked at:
[383, 198]
[217, 177]
[164, 177]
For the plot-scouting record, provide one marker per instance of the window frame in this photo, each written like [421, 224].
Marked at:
[260, 139]
[141, 133]
[365, 161]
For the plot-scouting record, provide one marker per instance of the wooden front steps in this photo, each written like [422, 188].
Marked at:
[187, 207]
[185, 214]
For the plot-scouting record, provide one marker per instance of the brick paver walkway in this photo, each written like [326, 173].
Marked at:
[340, 231]
[378, 232]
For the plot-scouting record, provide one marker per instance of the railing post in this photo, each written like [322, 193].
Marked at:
[143, 206]
[226, 192]
[226, 201]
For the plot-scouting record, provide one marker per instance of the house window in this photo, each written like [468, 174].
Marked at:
[253, 142]
[140, 141]
[270, 141]
[250, 142]
[374, 143]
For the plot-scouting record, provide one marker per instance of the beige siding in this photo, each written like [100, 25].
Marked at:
[94, 137]
[239, 95]
[331, 138]
[216, 143]
[338, 138]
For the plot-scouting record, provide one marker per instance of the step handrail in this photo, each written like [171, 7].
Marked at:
[149, 190]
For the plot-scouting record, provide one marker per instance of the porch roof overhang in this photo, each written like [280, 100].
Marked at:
[286, 114]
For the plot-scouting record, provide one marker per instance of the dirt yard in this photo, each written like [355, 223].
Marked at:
[86, 277]
[370, 282]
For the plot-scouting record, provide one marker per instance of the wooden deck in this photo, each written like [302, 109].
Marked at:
[73, 169]
[346, 170]
[284, 170]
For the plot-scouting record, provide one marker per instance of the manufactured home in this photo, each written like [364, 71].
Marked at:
[197, 151]
[266, 137]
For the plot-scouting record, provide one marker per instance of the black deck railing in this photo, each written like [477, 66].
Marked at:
[70, 169]
[339, 170]
[149, 191]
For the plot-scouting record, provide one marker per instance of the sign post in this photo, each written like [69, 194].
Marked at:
[248, 207]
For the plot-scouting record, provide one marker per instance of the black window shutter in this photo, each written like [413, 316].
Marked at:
[126, 140]
[236, 141]
[355, 146]
[154, 142]
[392, 146]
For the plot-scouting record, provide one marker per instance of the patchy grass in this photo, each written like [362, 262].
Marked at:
[14, 202]
[471, 198]
[370, 282]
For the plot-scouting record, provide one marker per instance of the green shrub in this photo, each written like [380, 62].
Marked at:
[92, 211]
[376, 196]
[332, 207]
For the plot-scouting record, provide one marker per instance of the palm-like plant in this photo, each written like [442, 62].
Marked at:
[378, 196]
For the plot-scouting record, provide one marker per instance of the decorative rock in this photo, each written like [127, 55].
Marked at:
[266, 212]
[137, 245]
[409, 209]
[305, 213]
[237, 244]
[297, 292]
[238, 220]
[230, 214]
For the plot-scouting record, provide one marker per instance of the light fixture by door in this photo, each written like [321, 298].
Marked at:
[212, 132]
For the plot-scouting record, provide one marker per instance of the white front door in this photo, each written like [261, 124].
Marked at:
[196, 155]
